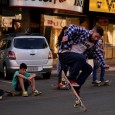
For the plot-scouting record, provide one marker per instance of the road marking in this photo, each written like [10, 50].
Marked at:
[5, 81]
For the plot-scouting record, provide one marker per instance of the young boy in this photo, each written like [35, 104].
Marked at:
[22, 80]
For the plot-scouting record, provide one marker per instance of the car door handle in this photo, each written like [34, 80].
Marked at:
[32, 54]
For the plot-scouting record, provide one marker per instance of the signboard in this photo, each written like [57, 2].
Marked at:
[71, 5]
[107, 6]
[55, 23]
[6, 21]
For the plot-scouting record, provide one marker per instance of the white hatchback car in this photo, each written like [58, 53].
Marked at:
[30, 49]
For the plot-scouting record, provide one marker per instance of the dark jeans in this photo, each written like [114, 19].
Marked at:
[76, 62]
[61, 67]
[95, 68]
[26, 85]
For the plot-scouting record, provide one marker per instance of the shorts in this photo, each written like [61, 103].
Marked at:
[26, 85]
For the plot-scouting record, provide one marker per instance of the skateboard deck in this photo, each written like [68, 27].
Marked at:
[103, 84]
[11, 93]
[78, 101]
[106, 83]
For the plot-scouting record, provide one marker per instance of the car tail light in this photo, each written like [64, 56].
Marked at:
[50, 55]
[12, 55]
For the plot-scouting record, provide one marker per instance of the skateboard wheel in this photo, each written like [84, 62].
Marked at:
[77, 102]
[76, 105]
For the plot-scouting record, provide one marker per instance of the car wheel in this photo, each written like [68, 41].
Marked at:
[47, 75]
[5, 73]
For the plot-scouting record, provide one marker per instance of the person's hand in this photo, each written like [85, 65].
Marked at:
[106, 66]
[29, 80]
[64, 39]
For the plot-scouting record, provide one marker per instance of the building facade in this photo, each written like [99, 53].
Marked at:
[46, 17]
[102, 12]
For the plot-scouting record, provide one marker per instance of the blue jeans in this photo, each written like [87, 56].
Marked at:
[95, 68]
[76, 62]
[61, 67]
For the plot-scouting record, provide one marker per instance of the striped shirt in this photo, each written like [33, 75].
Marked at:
[79, 35]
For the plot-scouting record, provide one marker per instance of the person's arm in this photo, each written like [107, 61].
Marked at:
[32, 75]
[74, 31]
[24, 77]
[100, 57]
[101, 46]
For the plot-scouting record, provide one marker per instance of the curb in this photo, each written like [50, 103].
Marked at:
[54, 70]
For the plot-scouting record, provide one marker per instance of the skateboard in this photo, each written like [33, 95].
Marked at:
[65, 85]
[78, 101]
[102, 83]
[106, 83]
[11, 93]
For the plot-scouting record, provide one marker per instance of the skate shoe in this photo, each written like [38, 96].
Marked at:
[36, 92]
[25, 94]
[74, 83]
[61, 86]
[96, 82]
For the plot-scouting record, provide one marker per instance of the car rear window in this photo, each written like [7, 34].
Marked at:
[30, 43]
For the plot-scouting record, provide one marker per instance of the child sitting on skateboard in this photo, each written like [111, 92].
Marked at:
[22, 80]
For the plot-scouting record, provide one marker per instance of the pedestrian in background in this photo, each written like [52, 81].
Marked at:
[96, 65]
[60, 66]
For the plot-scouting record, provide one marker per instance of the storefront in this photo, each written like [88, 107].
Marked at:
[103, 13]
[48, 17]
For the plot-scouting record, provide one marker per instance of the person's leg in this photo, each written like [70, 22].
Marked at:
[65, 68]
[33, 84]
[32, 78]
[61, 67]
[34, 90]
[102, 74]
[74, 61]
[75, 69]
[96, 66]
[20, 85]
[85, 72]
[59, 71]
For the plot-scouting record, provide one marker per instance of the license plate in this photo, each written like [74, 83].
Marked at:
[34, 68]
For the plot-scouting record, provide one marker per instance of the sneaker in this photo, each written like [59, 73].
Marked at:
[96, 82]
[36, 92]
[25, 94]
[74, 83]
[61, 86]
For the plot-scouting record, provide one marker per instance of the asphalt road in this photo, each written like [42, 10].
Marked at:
[99, 100]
